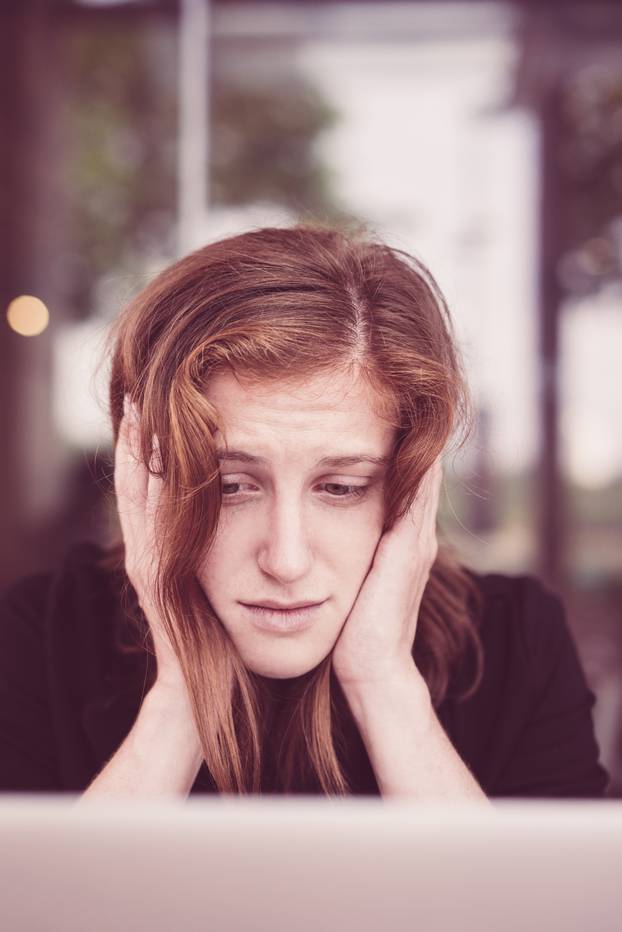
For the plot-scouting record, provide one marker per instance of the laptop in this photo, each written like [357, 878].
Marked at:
[309, 864]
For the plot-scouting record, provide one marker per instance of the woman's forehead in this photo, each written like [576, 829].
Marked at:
[327, 394]
[282, 426]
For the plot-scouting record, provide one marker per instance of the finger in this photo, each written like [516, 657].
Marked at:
[129, 477]
[136, 471]
[154, 485]
[126, 510]
[417, 527]
[434, 481]
[423, 510]
[431, 498]
[434, 497]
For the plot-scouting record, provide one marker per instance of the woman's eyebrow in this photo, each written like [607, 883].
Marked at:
[351, 460]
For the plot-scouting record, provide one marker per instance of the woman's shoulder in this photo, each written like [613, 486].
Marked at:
[68, 694]
[521, 616]
[77, 595]
[509, 597]
[528, 730]
[83, 558]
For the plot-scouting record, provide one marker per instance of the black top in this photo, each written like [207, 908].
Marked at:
[68, 696]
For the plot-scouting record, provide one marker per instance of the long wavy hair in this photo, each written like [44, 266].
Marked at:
[279, 304]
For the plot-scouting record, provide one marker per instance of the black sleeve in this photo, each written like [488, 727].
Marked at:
[556, 754]
[27, 747]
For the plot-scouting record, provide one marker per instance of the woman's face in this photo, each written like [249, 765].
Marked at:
[293, 529]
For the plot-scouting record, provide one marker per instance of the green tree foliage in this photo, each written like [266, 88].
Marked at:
[122, 114]
[263, 145]
[590, 164]
[570, 73]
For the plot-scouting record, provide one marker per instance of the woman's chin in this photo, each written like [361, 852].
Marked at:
[290, 672]
[283, 669]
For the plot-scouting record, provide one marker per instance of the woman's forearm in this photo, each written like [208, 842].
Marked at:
[159, 758]
[410, 753]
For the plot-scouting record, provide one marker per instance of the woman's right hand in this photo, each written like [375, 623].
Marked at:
[138, 493]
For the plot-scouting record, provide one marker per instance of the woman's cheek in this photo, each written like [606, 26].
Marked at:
[354, 533]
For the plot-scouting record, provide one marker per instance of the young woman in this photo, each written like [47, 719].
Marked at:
[278, 615]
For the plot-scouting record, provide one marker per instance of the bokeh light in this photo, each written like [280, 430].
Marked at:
[28, 315]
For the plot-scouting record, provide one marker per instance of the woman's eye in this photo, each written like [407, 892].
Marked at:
[333, 489]
[346, 491]
[231, 485]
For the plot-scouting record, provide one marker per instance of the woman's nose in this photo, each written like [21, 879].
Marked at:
[285, 552]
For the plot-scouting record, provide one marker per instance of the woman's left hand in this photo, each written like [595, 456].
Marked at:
[375, 644]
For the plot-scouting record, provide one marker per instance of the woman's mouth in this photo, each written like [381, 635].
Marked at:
[283, 620]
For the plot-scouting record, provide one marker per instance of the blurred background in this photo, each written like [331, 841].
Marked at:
[486, 138]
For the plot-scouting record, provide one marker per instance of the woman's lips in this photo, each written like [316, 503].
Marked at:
[282, 606]
[282, 620]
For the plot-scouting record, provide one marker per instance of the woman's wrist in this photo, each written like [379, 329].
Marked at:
[172, 686]
[161, 755]
[169, 698]
[172, 694]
